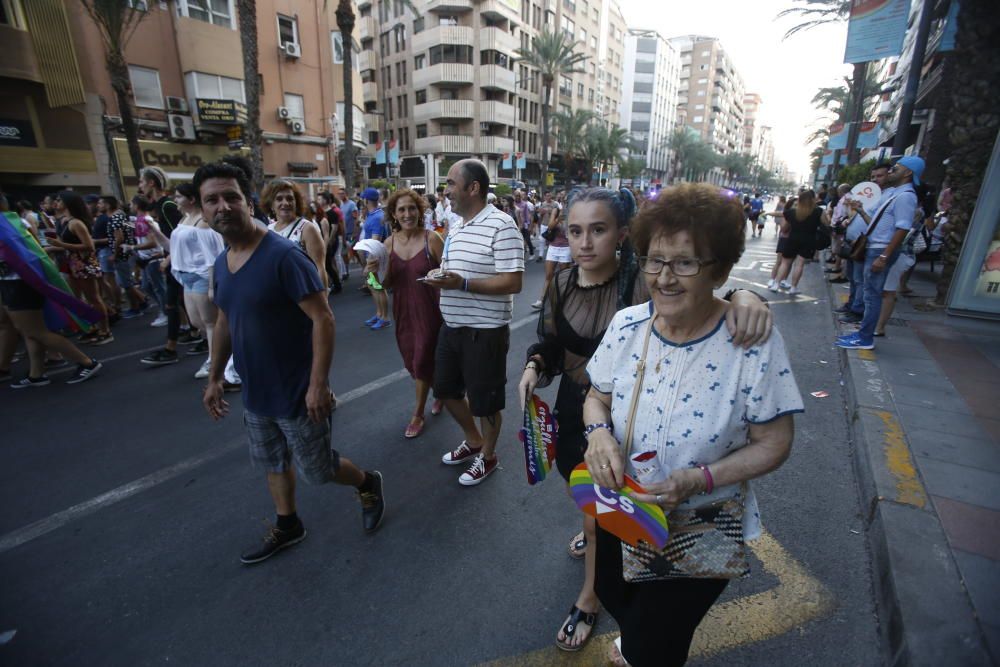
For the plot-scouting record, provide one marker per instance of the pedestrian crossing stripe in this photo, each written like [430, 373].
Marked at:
[798, 298]
[799, 598]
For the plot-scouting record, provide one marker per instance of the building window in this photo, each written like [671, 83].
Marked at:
[218, 12]
[214, 87]
[146, 87]
[579, 90]
[12, 14]
[697, 119]
[418, 61]
[421, 131]
[451, 53]
[590, 95]
[582, 36]
[288, 31]
[337, 40]
[569, 27]
[565, 86]
[418, 25]
[449, 129]
[420, 96]
[295, 105]
[490, 57]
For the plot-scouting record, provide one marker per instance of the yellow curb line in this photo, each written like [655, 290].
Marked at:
[797, 599]
[909, 489]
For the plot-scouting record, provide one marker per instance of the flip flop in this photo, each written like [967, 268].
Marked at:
[578, 546]
[413, 430]
[572, 624]
[436, 408]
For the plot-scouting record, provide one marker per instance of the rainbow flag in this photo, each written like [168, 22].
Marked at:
[21, 252]
[618, 512]
[538, 436]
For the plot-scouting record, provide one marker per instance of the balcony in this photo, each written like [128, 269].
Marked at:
[451, 143]
[443, 109]
[441, 34]
[496, 112]
[369, 91]
[499, 9]
[449, 6]
[442, 74]
[367, 28]
[373, 122]
[366, 60]
[494, 76]
[498, 39]
[496, 145]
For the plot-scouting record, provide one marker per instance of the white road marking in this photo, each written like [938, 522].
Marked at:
[55, 521]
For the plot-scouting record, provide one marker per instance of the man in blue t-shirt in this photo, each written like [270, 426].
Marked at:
[375, 229]
[275, 320]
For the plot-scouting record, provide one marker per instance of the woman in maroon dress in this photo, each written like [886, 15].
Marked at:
[413, 252]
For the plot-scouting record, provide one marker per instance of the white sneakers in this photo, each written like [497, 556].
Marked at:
[772, 285]
[160, 321]
[203, 371]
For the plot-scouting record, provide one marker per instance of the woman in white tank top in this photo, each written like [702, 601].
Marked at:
[284, 203]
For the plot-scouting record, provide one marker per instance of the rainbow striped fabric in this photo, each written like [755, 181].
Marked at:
[538, 436]
[21, 252]
[618, 512]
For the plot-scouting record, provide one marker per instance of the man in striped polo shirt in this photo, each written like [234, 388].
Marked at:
[480, 273]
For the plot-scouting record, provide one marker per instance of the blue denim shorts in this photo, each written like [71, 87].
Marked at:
[276, 442]
[106, 258]
[193, 282]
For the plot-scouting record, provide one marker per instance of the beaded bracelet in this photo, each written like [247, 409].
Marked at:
[594, 427]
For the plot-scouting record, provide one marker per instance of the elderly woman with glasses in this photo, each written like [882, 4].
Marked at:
[710, 415]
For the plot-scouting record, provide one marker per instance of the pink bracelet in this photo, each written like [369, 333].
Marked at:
[709, 482]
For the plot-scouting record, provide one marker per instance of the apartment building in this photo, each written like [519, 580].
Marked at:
[652, 76]
[711, 93]
[446, 84]
[186, 73]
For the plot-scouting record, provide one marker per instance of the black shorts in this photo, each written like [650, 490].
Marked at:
[801, 247]
[755, 217]
[782, 244]
[19, 295]
[472, 361]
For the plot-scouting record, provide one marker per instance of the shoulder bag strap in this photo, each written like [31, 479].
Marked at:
[878, 216]
[640, 373]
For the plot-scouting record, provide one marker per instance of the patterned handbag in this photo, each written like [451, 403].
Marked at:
[705, 542]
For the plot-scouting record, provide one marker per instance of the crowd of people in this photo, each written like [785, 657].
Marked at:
[648, 359]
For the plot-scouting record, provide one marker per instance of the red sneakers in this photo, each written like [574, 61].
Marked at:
[460, 455]
[478, 471]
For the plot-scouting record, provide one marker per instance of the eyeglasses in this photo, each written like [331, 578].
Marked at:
[684, 267]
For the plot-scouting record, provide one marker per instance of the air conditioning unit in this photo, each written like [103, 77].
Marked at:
[296, 126]
[177, 105]
[292, 50]
[284, 113]
[181, 127]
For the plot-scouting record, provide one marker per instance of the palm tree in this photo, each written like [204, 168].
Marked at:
[682, 142]
[840, 99]
[345, 23]
[571, 130]
[736, 165]
[553, 55]
[970, 80]
[251, 86]
[117, 22]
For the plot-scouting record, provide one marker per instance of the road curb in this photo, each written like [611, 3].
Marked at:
[926, 617]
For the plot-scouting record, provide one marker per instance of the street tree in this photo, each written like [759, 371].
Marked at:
[117, 22]
[571, 133]
[252, 135]
[971, 111]
[346, 21]
[554, 55]
[682, 144]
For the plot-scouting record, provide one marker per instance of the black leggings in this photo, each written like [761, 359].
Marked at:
[171, 304]
[657, 618]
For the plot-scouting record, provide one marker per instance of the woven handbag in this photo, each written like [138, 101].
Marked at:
[705, 542]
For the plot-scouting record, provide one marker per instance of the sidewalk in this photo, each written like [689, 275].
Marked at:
[924, 411]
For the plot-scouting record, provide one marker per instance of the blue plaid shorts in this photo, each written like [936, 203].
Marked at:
[276, 442]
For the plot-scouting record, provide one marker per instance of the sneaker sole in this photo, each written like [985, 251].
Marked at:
[455, 462]
[31, 386]
[290, 543]
[476, 482]
[158, 363]
[103, 341]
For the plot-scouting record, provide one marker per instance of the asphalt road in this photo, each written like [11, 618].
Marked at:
[125, 510]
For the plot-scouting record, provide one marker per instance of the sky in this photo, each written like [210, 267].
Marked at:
[786, 73]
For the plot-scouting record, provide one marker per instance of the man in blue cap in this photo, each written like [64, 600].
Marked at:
[374, 228]
[886, 230]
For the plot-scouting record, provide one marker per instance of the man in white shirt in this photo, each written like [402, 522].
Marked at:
[483, 265]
